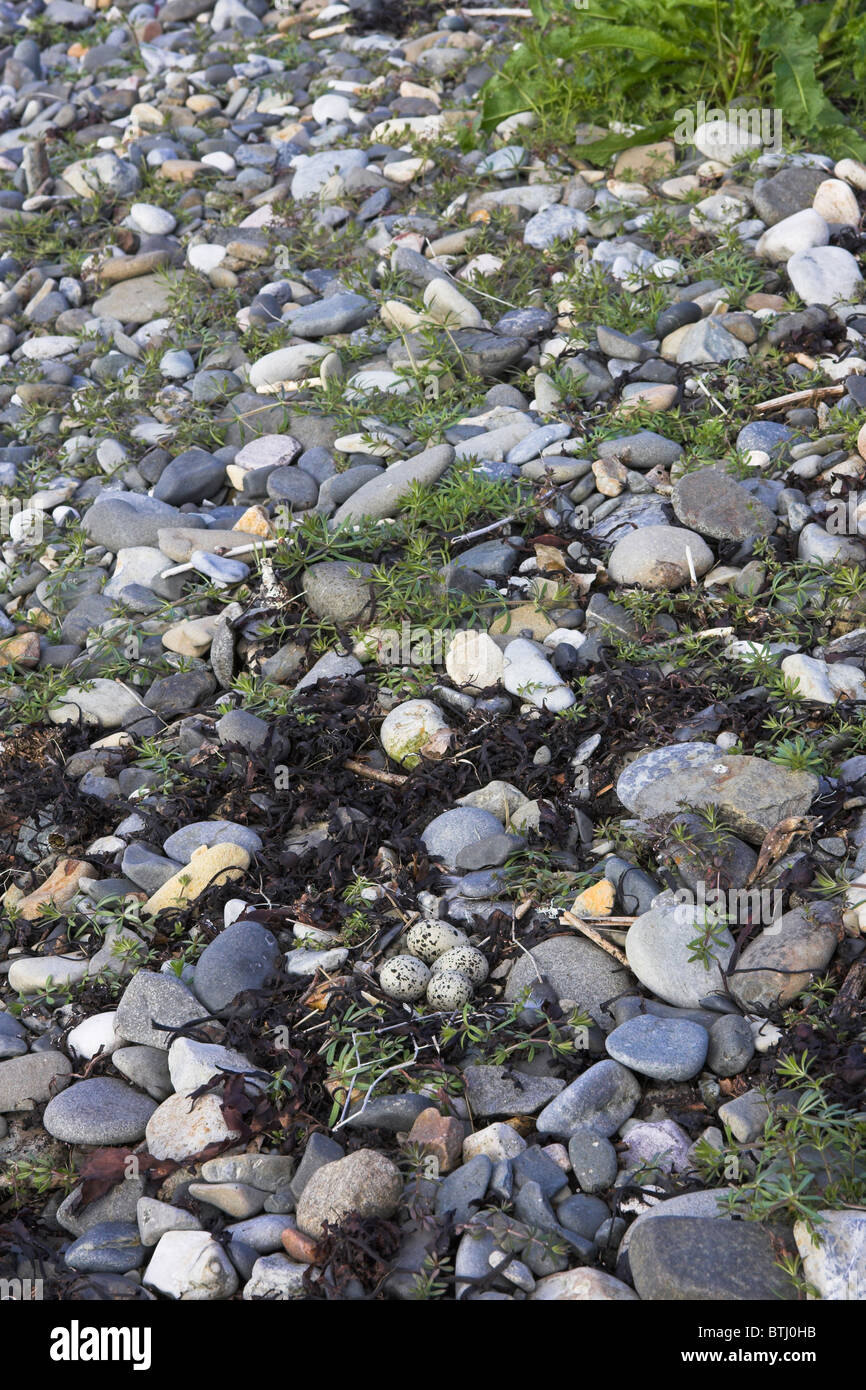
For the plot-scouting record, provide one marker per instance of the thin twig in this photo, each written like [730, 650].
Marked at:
[398, 1066]
[260, 544]
[811, 393]
[482, 530]
[568, 919]
[388, 779]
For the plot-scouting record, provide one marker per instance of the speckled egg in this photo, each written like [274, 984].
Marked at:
[466, 961]
[404, 977]
[430, 940]
[448, 989]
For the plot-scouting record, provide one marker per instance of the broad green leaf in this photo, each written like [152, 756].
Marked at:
[633, 38]
[500, 101]
[540, 12]
[599, 151]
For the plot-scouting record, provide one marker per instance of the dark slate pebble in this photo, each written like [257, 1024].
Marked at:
[241, 727]
[294, 486]
[764, 435]
[525, 323]
[244, 956]
[490, 852]
[396, 1113]
[191, 477]
[321, 1149]
[463, 1190]
[677, 316]
[152, 999]
[582, 1214]
[532, 1207]
[112, 1247]
[170, 696]
[593, 1160]
[732, 1045]
[532, 1165]
[708, 1259]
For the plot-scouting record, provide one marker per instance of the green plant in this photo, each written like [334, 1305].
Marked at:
[809, 1158]
[656, 57]
[432, 1280]
[713, 932]
[798, 755]
[35, 1177]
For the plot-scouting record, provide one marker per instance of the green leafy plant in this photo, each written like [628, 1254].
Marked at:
[810, 1157]
[798, 755]
[654, 57]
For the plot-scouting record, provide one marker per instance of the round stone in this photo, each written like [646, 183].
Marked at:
[732, 1045]
[365, 1182]
[667, 1049]
[713, 504]
[408, 728]
[576, 969]
[98, 1111]
[659, 557]
[242, 957]
[335, 589]
[451, 832]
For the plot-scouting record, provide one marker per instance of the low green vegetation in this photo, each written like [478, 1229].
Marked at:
[644, 60]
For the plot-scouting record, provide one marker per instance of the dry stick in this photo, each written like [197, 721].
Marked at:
[482, 530]
[236, 550]
[570, 920]
[693, 636]
[811, 393]
[389, 779]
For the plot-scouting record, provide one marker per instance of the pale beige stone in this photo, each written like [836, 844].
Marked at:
[192, 637]
[181, 1127]
[217, 864]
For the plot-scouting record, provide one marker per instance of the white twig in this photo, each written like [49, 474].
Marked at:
[236, 550]
[691, 564]
[483, 530]
[398, 1066]
[709, 395]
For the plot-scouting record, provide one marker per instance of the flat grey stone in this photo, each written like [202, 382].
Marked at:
[593, 1159]
[29, 1080]
[461, 1191]
[98, 1111]
[381, 496]
[782, 961]
[659, 948]
[752, 793]
[453, 831]
[338, 313]
[146, 1067]
[732, 1045]
[576, 969]
[664, 1048]
[242, 957]
[699, 1259]
[493, 1090]
[183, 843]
[603, 1097]
[714, 504]
[150, 999]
